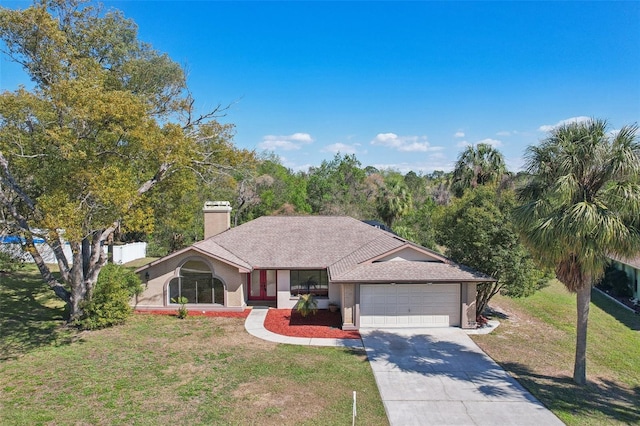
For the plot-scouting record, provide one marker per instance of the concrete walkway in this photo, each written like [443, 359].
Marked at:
[254, 325]
[439, 376]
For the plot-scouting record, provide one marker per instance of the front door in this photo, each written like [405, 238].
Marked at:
[263, 288]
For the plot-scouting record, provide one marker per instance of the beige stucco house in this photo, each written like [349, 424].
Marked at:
[375, 277]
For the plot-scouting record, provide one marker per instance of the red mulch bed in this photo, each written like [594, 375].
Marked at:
[323, 324]
[194, 313]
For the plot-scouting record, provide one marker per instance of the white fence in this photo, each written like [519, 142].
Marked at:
[121, 253]
[15, 250]
[128, 252]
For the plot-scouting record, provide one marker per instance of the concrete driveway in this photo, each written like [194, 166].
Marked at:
[440, 376]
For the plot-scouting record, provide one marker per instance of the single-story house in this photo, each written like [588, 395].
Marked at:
[631, 266]
[376, 278]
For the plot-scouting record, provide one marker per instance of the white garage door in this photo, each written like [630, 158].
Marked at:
[409, 305]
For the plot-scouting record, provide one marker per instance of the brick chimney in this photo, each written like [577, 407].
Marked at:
[217, 217]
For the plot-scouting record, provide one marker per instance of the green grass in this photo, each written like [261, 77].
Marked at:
[162, 370]
[536, 344]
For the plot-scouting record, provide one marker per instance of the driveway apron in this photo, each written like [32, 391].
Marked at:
[440, 376]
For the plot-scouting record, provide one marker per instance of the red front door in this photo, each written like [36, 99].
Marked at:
[263, 288]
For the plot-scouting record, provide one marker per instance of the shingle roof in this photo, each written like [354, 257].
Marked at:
[379, 246]
[411, 271]
[296, 242]
[210, 247]
[344, 245]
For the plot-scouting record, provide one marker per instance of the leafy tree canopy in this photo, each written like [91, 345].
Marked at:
[477, 231]
[337, 187]
[108, 119]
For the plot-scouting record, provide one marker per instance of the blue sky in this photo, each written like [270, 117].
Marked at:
[402, 85]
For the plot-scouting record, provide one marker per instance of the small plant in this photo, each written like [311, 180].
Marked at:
[182, 310]
[307, 304]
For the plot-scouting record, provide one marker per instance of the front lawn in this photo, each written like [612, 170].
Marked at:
[162, 370]
[535, 342]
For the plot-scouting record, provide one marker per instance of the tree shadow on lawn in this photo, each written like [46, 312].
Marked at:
[447, 357]
[25, 319]
[561, 394]
[624, 316]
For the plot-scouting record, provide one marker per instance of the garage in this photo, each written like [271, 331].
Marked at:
[409, 305]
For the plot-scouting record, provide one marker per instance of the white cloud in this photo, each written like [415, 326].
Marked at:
[458, 134]
[423, 167]
[506, 133]
[285, 142]
[493, 142]
[550, 127]
[462, 144]
[341, 148]
[515, 164]
[404, 143]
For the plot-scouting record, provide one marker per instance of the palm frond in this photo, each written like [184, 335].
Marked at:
[582, 200]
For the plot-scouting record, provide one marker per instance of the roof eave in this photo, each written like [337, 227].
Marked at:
[418, 281]
[241, 268]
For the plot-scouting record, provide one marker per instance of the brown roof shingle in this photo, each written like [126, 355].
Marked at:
[411, 271]
[346, 246]
[295, 242]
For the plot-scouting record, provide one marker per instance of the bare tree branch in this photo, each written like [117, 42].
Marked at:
[8, 179]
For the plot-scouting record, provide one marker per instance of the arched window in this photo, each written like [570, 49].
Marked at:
[197, 284]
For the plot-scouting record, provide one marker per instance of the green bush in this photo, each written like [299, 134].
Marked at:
[9, 263]
[616, 281]
[110, 302]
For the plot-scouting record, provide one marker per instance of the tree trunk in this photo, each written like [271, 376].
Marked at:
[484, 294]
[76, 282]
[46, 274]
[580, 367]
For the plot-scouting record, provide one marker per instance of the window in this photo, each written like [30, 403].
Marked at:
[197, 284]
[311, 281]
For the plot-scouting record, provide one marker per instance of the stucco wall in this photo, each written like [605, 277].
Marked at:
[408, 253]
[348, 306]
[285, 301]
[155, 293]
[468, 299]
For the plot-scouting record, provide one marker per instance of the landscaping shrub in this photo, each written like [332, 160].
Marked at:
[616, 281]
[110, 302]
[8, 262]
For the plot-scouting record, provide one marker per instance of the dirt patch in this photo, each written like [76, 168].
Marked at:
[323, 324]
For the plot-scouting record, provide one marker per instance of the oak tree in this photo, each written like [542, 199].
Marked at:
[477, 231]
[107, 119]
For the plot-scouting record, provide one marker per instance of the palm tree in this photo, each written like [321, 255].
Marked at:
[581, 205]
[477, 165]
[394, 200]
